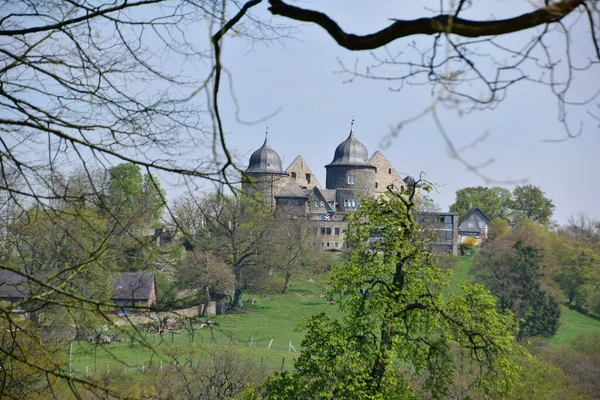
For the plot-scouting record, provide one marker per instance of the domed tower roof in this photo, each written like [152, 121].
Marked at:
[351, 152]
[265, 160]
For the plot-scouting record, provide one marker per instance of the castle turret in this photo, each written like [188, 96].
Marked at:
[266, 173]
[351, 173]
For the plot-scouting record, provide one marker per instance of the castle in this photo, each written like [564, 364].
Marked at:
[351, 175]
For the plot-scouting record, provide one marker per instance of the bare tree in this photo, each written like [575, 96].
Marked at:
[296, 247]
[467, 64]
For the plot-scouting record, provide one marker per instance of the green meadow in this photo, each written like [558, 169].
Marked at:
[263, 332]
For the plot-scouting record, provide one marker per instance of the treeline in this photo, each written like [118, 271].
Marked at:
[67, 246]
[529, 255]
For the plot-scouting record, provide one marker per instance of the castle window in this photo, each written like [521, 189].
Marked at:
[391, 185]
[350, 203]
[376, 185]
[322, 231]
[327, 244]
[336, 244]
[329, 231]
[337, 231]
[317, 204]
[375, 169]
[351, 179]
[294, 175]
[307, 178]
[389, 171]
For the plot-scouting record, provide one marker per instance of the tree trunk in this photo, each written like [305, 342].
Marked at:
[205, 300]
[237, 298]
[381, 361]
[286, 286]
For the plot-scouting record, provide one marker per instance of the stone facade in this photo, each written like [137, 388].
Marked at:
[385, 174]
[304, 177]
[351, 176]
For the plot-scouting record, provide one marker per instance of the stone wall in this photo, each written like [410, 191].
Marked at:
[385, 174]
[331, 233]
[267, 185]
[299, 171]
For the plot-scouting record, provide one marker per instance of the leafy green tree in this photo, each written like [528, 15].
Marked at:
[498, 228]
[512, 271]
[135, 197]
[494, 202]
[530, 201]
[399, 335]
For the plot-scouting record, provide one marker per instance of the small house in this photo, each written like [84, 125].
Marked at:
[134, 289]
[473, 224]
[14, 287]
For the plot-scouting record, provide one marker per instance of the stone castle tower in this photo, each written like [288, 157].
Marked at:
[351, 175]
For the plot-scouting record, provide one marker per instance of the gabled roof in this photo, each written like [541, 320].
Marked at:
[13, 285]
[133, 286]
[325, 195]
[290, 189]
[471, 212]
[304, 166]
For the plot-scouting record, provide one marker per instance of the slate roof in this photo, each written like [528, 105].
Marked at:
[13, 285]
[133, 286]
[291, 189]
[265, 160]
[327, 196]
[471, 212]
[351, 152]
[409, 180]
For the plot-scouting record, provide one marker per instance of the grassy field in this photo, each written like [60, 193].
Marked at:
[251, 332]
[462, 273]
[573, 325]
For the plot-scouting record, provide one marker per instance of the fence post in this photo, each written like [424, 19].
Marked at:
[282, 362]
[270, 343]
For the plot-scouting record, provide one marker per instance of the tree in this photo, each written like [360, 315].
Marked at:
[206, 274]
[240, 233]
[529, 201]
[133, 196]
[511, 270]
[84, 85]
[295, 248]
[494, 202]
[498, 228]
[399, 333]
[578, 252]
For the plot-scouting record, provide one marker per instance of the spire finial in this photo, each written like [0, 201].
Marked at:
[352, 125]
[267, 133]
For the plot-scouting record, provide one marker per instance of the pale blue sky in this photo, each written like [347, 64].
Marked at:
[299, 78]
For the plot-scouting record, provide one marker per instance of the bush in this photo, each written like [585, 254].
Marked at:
[470, 243]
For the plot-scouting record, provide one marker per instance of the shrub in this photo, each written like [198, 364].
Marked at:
[470, 243]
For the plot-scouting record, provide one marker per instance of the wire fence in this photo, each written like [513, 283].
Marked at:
[121, 355]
